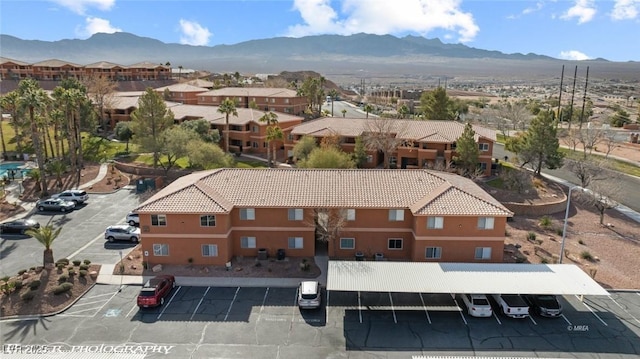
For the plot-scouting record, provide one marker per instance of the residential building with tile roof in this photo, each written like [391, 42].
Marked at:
[410, 215]
[265, 98]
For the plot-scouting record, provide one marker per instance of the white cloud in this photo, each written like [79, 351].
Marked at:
[573, 55]
[383, 17]
[95, 25]
[625, 9]
[584, 10]
[80, 6]
[193, 33]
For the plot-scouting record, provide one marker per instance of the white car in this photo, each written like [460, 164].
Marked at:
[76, 196]
[133, 219]
[477, 305]
[309, 295]
[122, 232]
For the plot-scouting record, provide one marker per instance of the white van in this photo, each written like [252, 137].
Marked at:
[309, 295]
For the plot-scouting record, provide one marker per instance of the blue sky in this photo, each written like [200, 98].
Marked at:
[566, 29]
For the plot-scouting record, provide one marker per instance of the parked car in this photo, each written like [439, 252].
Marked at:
[133, 219]
[155, 290]
[309, 295]
[122, 232]
[19, 226]
[477, 305]
[512, 305]
[76, 196]
[545, 305]
[55, 204]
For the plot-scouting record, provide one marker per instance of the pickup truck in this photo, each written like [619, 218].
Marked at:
[512, 305]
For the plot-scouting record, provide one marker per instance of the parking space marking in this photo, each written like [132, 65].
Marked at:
[496, 316]
[531, 317]
[200, 302]
[264, 299]
[426, 312]
[592, 312]
[326, 311]
[97, 296]
[81, 304]
[565, 319]
[295, 301]
[131, 310]
[393, 310]
[453, 296]
[624, 309]
[359, 307]
[231, 304]
[164, 307]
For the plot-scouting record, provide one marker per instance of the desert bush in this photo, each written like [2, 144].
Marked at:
[19, 284]
[559, 231]
[8, 287]
[34, 284]
[84, 267]
[580, 241]
[62, 288]
[22, 271]
[72, 272]
[83, 273]
[87, 262]
[5, 278]
[545, 222]
[76, 262]
[586, 255]
[28, 295]
[63, 278]
[60, 266]
[63, 260]
[531, 236]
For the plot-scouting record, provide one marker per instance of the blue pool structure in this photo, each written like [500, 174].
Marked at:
[18, 172]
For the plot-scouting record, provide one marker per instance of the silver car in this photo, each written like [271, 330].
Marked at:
[77, 196]
[55, 204]
[122, 232]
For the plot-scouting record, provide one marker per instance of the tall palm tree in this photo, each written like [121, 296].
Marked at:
[33, 98]
[367, 108]
[333, 93]
[274, 133]
[228, 107]
[271, 119]
[344, 112]
[10, 104]
[45, 235]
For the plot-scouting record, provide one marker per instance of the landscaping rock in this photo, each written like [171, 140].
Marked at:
[157, 268]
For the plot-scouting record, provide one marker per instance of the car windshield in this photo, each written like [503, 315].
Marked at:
[480, 301]
[309, 296]
[147, 293]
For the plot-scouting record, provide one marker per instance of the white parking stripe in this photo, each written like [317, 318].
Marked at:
[200, 302]
[592, 312]
[264, 299]
[105, 303]
[393, 310]
[359, 307]
[426, 312]
[131, 310]
[231, 304]
[83, 310]
[164, 307]
[295, 303]
[531, 317]
[81, 304]
[326, 310]
[495, 315]
[459, 309]
[625, 310]
[99, 295]
[565, 319]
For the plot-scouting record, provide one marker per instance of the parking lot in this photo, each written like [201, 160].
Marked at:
[236, 322]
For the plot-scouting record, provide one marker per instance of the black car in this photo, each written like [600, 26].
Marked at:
[19, 226]
[545, 305]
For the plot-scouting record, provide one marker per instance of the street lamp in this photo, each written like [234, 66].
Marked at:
[566, 217]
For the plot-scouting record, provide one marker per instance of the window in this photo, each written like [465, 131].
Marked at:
[435, 222]
[483, 147]
[433, 252]
[247, 242]
[254, 144]
[483, 253]
[350, 214]
[347, 243]
[295, 242]
[255, 129]
[453, 146]
[207, 220]
[295, 214]
[209, 250]
[485, 223]
[286, 100]
[393, 161]
[396, 215]
[395, 243]
[369, 158]
[158, 220]
[160, 250]
[247, 214]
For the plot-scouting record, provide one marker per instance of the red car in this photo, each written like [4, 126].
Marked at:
[154, 291]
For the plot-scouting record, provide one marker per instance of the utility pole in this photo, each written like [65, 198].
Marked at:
[573, 92]
[584, 98]
[560, 99]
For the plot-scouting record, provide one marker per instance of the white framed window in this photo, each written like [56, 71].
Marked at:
[349, 214]
[161, 250]
[395, 243]
[369, 158]
[286, 100]
[254, 144]
[158, 220]
[435, 222]
[347, 243]
[255, 129]
[485, 222]
[290, 138]
[273, 100]
[207, 220]
[483, 253]
[209, 250]
[247, 242]
[247, 214]
[484, 147]
[295, 214]
[296, 242]
[433, 252]
[396, 215]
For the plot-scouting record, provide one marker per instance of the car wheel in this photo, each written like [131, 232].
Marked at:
[63, 209]
[132, 223]
[162, 301]
[41, 209]
[110, 238]
[134, 239]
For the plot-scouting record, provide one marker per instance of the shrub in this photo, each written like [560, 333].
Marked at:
[77, 262]
[586, 255]
[63, 278]
[22, 271]
[8, 287]
[559, 231]
[545, 222]
[84, 267]
[580, 241]
[19, 284]
[531, 236]
[5, 278]
[83, 273]
[60, 266]
[28, 295]
[87, 262]
[70, 267]
[72, 272]
[63, 260]
[62, 288]
[34, 284]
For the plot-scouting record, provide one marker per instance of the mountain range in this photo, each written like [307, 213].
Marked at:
[359, 55]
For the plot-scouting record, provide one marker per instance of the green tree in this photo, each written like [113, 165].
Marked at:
[436, 105]
[344, 112]
[203, 129]
[274, 132]
[359, 152]
[227, 107]
[34, 100]
[333, 93]
[10, 103]
[403, 111]
[124, 132]
[45, 235]
[367, 108]
[57, 168]
[149, 121]
[467, 150]
[303, 148]
[620, 118]
[538, 147]
[313, 89]
[327, 157]
[208, 155]
[175, 141]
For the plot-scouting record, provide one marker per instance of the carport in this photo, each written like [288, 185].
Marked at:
[471, 278]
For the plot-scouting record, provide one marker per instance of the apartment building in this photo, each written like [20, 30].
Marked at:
[211, 216]
[280, 100]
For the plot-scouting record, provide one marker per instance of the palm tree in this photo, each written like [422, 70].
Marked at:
[57, 167]
[344, 112]
[228, 107]
[403, 111]
[367, 108]
[45, 235]
[33, 98]
[271, 119]
[10, 104]
[36, 175]
[274, 133]
[333, 93]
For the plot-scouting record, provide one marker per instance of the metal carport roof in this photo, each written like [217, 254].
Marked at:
[472, 278]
